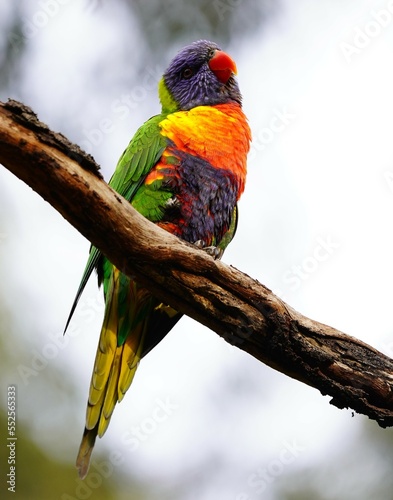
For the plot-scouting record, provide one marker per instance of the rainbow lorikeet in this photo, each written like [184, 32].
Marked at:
[184, 170]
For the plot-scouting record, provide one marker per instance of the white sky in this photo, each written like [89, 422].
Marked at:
[321, 178]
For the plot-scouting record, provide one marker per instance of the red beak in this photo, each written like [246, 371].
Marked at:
[222, 66]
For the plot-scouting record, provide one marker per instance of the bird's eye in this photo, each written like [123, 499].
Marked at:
[211, 53]
[187, 73]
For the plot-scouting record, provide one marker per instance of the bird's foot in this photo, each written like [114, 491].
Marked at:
[211, 250]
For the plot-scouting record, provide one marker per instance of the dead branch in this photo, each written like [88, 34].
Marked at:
[238, 308]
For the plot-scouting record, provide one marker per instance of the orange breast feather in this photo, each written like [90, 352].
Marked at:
[218, 134]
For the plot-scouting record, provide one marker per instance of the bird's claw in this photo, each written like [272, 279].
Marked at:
[211, 250]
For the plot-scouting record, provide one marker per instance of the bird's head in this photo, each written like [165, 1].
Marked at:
[201, 74]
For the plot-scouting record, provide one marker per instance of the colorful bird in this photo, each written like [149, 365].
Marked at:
[184, 170]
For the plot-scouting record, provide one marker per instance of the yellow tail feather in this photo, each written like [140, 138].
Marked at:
[114, 366]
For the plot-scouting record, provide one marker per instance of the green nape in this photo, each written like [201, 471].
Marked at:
[168, 103]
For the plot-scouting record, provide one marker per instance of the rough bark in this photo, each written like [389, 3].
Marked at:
[238, 308]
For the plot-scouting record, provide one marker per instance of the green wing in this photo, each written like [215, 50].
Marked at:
[143, 152]
[140, 156]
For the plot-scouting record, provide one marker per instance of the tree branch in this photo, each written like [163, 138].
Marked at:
[238, 308]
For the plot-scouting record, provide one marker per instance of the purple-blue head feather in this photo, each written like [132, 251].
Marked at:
[191, 82]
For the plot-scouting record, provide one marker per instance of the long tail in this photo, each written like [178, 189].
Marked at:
[118, 354]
